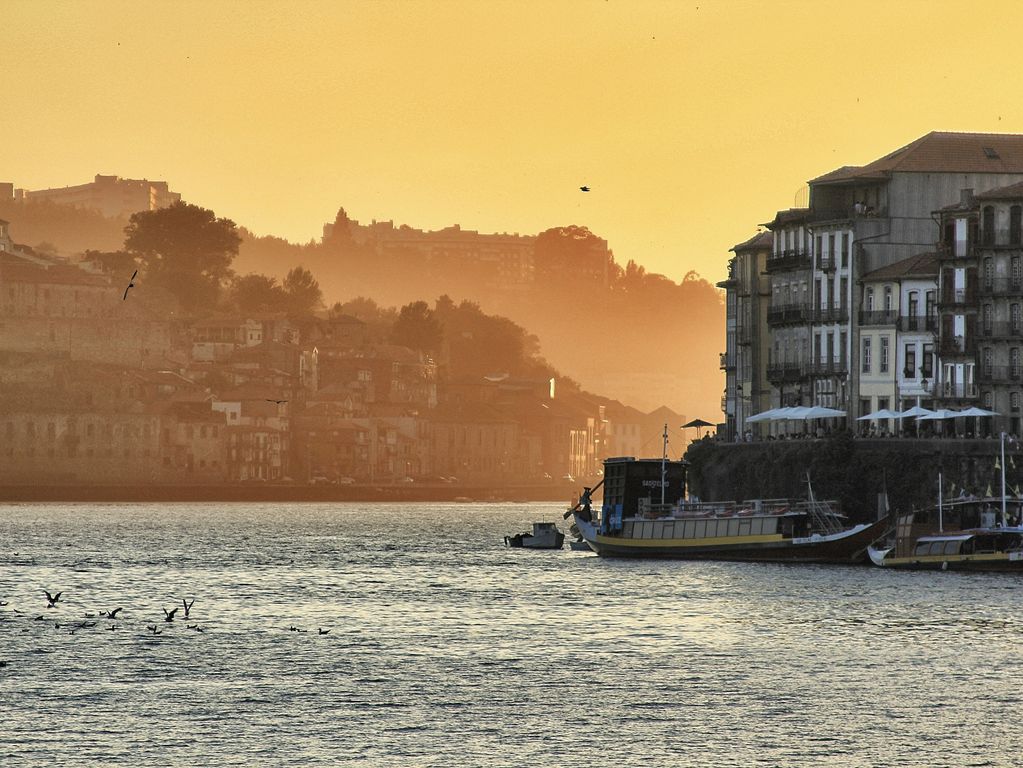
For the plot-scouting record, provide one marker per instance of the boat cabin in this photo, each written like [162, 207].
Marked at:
[969, 543]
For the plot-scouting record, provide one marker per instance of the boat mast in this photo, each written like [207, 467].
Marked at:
[941, 528]
[1004, 518]
[664, 460]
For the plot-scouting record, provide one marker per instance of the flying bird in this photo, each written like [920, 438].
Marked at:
[131, 284]
[584, 189]
[188, 606]
[279, 402]
[152, 628]
[110, 614]
[51, 600]
[169, 615]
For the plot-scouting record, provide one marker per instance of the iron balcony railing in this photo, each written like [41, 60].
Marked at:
[829, 314]
[956, 250]
[879, 317]
[999, 372]
[782, 372]
[1002, 330]
[919, 323]
[957, 346]
[1001, 286]
[788, 260]
[954, 297]
[922, 387]
[826, 262]
[829, 367]
[953, 390]
[784, 314]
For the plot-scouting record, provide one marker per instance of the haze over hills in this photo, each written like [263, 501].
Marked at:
[637, 337]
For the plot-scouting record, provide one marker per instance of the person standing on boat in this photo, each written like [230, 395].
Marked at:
[584, 502]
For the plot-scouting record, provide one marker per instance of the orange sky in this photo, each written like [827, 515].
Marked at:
[691, 123]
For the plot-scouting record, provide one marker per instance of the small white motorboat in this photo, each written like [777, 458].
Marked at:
[544, 536]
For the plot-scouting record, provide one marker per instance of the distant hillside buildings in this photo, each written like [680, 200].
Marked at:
[110, 195]
[900, 284]
[96, 388]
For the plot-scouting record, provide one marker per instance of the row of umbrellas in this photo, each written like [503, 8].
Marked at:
[796, 413]
[925, 414]
[803, 413]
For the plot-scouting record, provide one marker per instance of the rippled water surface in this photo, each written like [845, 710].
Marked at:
[446, 649]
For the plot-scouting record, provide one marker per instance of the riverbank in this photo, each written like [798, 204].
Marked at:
[269, 492]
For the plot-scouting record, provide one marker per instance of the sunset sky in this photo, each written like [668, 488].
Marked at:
[692, 123]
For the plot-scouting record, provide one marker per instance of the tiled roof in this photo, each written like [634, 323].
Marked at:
[790, 215]
[921, 265]
[761, 240]
[942, 152]
[1002, 193]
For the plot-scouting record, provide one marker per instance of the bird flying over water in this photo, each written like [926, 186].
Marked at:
[584, 189]
[188, 606]
[152, 628]
[110, 614]
[169, 615]
[51, 600]
[279, 402]
[131, 284]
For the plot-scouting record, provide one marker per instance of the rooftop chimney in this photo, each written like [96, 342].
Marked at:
[966, 198]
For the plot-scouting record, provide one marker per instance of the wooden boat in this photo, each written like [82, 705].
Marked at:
[645, 513]
[968, 535]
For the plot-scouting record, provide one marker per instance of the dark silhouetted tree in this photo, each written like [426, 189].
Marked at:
[302, 291]
[418, 328]
[258, 293]
[185, 249]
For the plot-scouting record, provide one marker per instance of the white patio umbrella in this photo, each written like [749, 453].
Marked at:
[975, 411]
[762, 416]
[884, 413]
[820, 412]
[916, 410]
[941, 414]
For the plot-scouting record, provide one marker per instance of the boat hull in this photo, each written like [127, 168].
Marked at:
[847, 547]
[990, 561]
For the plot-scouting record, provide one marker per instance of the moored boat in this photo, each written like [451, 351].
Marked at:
[645, 513]
[544, 536]
[966, 536]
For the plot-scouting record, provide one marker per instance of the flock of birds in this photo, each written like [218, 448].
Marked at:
[111, 615]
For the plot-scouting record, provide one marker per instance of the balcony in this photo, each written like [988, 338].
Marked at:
[954, 391]
[879, 317]
[1001, 238]
[957, 346]
[788, 314]
[1001, 286]
[781, 373]
[1001, 330]
[997, 373]
[788, 261]
[829, 314]
[826, 262]
[957, 250]
[919, 323]
[836, 366]
[727, 361]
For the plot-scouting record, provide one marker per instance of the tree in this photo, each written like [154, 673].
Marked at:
[258, 293]
[185, 249]
[418, 328]
[302, 291]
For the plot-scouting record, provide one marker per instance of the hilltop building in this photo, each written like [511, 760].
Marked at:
[110, 195]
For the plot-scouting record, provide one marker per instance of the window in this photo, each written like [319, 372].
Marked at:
[927, 364]
[1015, 319]
[929, 299]
[887, 298]
[910, 370]
[884, 354]
[882, 403]
[986, 358]
[864, 406]
[1014, 363]
[988, 226]
[870, 300]
[1015, 221]
[989, 273]
[1014, 401]
[866, 354]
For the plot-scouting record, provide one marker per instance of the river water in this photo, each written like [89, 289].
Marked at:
[444, 648]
